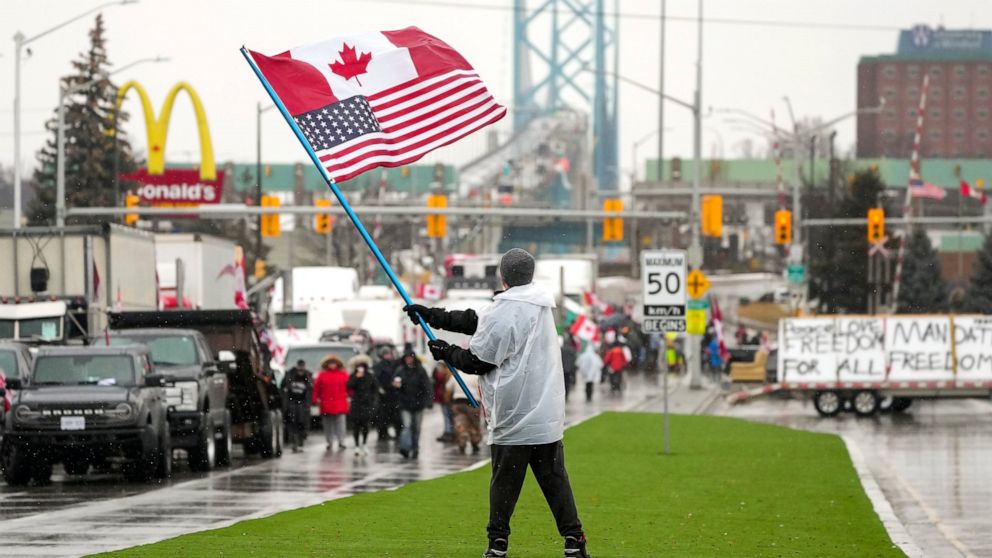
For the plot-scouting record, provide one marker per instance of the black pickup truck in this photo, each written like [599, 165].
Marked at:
[199, 419]
[84, 406]
[253, 398]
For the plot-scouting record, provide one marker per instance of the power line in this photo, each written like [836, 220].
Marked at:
[825, 26]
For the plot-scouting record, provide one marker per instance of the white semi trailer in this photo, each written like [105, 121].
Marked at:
[57, 284]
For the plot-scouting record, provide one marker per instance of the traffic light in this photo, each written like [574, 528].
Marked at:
[131, 200]
[437, 225]
[876, 225]
[322, 221]
[270, 221]
[712, 216]
[613, 226]
[259, 269]
[783, 226]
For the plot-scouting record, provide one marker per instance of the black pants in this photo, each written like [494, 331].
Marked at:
[360, 429]
[509, 469]
[589, 388]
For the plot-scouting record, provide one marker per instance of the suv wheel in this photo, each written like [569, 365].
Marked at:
[41, 470]
[224, 442]
[204, 455]
[16, 465]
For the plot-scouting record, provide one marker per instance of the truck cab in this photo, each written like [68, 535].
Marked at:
[83, 406]
[199, 420]
[32, 321]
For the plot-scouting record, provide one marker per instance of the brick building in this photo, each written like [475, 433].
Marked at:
[957, 123]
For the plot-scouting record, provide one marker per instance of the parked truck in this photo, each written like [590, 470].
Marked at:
[56, 284]
[195, 271]
[253, 398]
[298, 289]
[869, 363]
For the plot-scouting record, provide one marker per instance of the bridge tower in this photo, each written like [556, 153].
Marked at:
[566, 55]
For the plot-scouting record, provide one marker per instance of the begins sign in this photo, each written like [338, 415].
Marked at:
[176, 187]
[663, 274]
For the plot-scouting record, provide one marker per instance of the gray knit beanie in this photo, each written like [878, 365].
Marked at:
[516, 267]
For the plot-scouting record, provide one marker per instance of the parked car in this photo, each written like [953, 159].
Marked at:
[84, 406]
[199, 420]
[15, 362]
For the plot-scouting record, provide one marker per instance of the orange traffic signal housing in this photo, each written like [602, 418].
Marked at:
[437, 225]
[322, 221]
[613, 226]
[131, 200]
[711, 216]
[876, 225]
[270, 221]
[783, 227]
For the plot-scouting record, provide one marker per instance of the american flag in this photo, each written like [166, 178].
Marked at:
[379, 99]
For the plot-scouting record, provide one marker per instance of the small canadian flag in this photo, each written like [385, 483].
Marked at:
[427, 291]
[584, 328]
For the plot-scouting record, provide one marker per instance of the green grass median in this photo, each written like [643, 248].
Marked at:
[730, 488]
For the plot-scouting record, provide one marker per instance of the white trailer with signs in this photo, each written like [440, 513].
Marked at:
[868, 363]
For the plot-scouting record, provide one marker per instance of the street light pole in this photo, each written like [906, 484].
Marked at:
[695, 248]
[20, 41]
[661, 100]
[60, 134]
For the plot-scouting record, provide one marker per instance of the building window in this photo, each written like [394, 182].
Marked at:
[936, 113]
[959, 71]
[913, 71]
[912, 92]
[935, 135]
[936, 71]
[982, 93]
[982, 71]
[911, 114]
[982, 113]
[889, 71]
[958, 114]
[958, 134]
[889, 92]
[959, 92]
[889, 114]
[982, 134]
[936, 92]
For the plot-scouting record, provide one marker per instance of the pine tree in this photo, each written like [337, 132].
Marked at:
[839, 277]
[979, 298]
[90, 148]
[923, 287]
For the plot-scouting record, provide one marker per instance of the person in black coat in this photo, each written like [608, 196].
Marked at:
[568, 357]
[413, 390]
[297, 389]
[388, 409]
[363, 390]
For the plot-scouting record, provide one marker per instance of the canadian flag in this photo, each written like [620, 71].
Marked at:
[584, 328]
[970, 191]
[428, 291]
[590, 299]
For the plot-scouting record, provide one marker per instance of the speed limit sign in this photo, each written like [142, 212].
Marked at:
[663, 273]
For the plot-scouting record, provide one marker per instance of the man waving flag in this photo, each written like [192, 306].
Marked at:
[379, 99]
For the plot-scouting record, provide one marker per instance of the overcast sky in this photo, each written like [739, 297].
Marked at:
[744, 65]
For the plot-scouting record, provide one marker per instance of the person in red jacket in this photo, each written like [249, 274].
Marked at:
[616, 360]
[330, 391]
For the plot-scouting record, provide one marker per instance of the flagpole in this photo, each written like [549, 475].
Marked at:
[351, 215]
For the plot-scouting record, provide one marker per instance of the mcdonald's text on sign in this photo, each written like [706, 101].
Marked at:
[176, 187]
[664, 290]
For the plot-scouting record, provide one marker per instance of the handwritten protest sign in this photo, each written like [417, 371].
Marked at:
[900, 348]
[973, 347]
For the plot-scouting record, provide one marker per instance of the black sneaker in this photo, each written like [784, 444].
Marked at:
[497, 547]
[576, 547]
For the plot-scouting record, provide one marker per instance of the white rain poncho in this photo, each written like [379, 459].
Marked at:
[524, 396]
[589, 364]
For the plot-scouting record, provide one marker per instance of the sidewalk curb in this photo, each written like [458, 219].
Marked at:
[893, 526]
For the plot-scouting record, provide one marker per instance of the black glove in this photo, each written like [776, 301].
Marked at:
[413, 309]
[440, 350]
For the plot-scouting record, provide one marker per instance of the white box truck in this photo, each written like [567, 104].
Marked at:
[196, 267]
[57, 284]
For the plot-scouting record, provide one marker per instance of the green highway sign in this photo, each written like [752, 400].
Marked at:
[796, 273]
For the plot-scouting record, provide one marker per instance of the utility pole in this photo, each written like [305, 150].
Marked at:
[661, 98]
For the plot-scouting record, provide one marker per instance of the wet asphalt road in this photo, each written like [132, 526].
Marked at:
[933, 463]
[76, 516]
